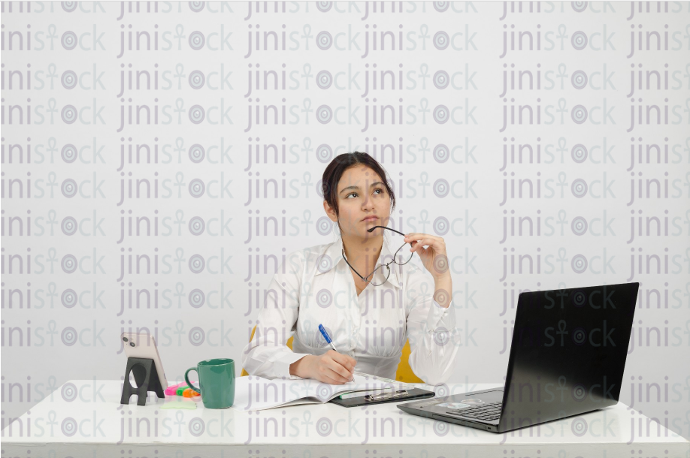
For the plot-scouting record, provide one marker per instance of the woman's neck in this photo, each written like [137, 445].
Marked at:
[363, 252]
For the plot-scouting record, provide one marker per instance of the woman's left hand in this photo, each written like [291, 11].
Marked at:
[434, 257]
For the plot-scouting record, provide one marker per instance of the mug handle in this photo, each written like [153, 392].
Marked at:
[186, 378]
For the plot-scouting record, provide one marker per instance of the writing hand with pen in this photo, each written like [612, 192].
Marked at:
[331, 367]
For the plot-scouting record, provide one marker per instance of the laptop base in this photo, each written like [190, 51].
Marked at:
[449, 408]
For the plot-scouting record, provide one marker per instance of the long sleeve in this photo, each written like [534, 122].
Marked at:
[430, 328]
[267, 354]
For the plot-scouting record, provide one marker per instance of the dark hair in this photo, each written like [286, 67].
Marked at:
[335, 170]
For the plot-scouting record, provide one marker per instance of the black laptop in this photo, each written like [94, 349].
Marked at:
[566, 358]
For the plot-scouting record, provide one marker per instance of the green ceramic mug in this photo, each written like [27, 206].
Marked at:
[216, 382]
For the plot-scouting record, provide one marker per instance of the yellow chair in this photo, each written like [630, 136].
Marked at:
[403, 374]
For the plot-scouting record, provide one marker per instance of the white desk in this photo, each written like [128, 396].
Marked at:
[90, 423]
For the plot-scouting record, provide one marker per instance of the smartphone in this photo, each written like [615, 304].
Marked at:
[143, 345]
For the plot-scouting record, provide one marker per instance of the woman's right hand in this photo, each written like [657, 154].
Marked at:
[331, 367]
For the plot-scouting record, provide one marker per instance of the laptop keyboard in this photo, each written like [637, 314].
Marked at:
[487, 412]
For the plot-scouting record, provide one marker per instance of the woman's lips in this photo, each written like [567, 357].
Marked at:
[370, 218]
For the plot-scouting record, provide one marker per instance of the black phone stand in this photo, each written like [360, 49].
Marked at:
[146, 376]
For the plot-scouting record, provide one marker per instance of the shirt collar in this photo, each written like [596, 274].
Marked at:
[334, 255]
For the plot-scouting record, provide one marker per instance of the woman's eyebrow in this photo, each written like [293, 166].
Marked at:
[357, 187]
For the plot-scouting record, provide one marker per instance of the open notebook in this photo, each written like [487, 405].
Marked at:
[257, 393]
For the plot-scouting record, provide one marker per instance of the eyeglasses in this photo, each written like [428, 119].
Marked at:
[403, 259]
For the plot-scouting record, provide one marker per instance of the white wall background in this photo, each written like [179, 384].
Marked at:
[191, 101]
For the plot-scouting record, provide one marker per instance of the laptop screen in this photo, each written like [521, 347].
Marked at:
[568, 352]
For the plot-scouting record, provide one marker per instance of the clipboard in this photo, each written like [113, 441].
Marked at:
[396, 396]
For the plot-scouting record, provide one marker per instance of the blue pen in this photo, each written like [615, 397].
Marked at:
[328, 339]
[326, 336]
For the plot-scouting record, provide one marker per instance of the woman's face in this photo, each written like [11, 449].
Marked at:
[361, 194]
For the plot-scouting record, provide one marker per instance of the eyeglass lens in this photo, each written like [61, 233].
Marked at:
[401, 257]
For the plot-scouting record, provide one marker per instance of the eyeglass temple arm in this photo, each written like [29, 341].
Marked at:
[385, 227]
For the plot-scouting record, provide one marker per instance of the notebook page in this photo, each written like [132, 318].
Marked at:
[258, 393]
[371, 383]
[302, 401]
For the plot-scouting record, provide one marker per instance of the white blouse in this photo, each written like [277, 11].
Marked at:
[315, 286]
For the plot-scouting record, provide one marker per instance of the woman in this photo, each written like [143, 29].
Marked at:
[368, 305]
